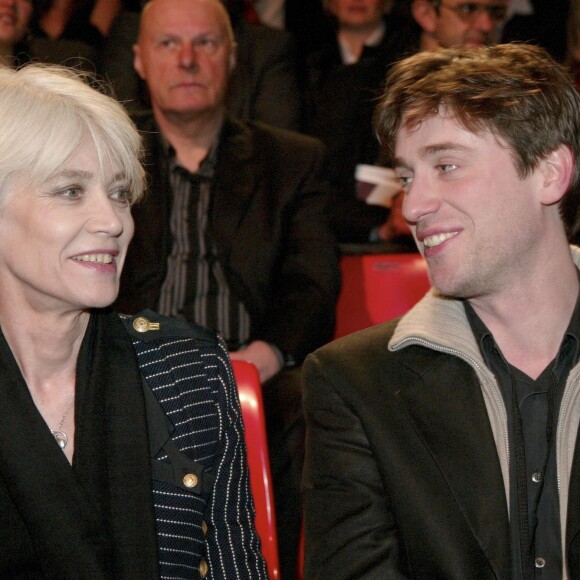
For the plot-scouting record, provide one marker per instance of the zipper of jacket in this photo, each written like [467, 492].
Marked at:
[495, 392]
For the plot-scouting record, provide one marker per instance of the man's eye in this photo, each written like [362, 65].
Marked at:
[468, 8]
[207, 44]
[447, 167]
[405, 180]
[168, 43]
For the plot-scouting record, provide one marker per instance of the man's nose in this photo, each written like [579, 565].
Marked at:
[187, 55]
[483, 21]
[420, 200]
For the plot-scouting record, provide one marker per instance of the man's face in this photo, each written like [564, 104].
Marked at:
[185, 55]
[464, 23]
[14, 19]
[474, 218]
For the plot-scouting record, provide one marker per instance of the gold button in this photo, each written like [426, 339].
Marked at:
[204, 527]
[190, 480]
[141, 324]
[203, 568]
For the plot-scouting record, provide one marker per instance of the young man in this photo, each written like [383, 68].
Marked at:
[442, 445]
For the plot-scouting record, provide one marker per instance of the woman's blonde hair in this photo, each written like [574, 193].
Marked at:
[47, 112]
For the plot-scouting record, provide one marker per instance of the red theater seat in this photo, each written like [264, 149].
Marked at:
[378, 287]
[250, 393]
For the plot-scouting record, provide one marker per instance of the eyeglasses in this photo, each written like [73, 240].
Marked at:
[469, 11]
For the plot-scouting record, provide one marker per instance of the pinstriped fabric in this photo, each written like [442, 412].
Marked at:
[193, 382]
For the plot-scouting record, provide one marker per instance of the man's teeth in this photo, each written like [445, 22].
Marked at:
[433, 241]
[98, 258]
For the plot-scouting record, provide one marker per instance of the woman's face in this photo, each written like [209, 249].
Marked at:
[357, 13]
[63, 244]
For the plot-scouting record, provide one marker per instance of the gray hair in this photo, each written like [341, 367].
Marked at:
[47, 112]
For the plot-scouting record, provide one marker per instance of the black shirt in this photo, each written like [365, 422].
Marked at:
[532, 420]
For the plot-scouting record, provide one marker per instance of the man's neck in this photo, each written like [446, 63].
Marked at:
[428, 42]
[191, 136]
[528, 322]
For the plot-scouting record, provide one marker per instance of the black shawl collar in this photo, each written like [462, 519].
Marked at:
[96, 519]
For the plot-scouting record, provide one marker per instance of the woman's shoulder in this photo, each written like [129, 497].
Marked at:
[149, 325]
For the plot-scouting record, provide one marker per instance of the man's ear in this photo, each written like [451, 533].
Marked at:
[233, 57]
[557, 172]
[425, 15]
[137, 62]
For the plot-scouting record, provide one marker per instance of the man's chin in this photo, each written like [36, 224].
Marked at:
[476, 42]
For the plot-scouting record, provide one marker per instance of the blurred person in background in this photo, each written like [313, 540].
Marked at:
[264, 85]
[15, 16]
[71, 32]
[233, 231]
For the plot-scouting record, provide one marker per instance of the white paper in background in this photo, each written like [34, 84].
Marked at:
[376, 185]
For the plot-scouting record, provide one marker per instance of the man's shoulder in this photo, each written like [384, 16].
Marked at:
[360, 344]
[262, 132]
[268, 140]
[149, 326]
[366, 353]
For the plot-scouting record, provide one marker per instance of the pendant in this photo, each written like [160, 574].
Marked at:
[61, 438]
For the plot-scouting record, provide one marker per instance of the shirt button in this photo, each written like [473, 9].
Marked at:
[540, 562]
[203, 569]
[536, 477]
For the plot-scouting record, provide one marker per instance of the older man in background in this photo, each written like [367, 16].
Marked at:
[233, 231]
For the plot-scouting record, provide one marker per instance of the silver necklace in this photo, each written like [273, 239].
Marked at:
[60, 436]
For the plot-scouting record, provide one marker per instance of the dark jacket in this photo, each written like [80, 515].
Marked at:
[407, 458]
[268, 221]
[121, 511]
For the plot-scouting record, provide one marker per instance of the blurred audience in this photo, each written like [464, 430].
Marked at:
[233, 230]
[71, 32]
[453, 23]
[569, 208]
[573, 41]
[541, 22]
[344, 79]
[15, 16]
[264, 85]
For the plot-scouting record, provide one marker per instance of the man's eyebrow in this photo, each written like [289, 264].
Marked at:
[430, 150]
[436, 148]
[400, 163]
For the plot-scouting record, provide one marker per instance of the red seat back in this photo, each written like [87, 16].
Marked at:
[250, 394]
[378, 287]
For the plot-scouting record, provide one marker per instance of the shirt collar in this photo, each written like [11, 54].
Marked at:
[486, 342]
[374, 39]
[207, 165]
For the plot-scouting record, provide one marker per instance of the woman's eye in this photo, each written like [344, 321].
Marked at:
[122, 195]
[70, 192]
